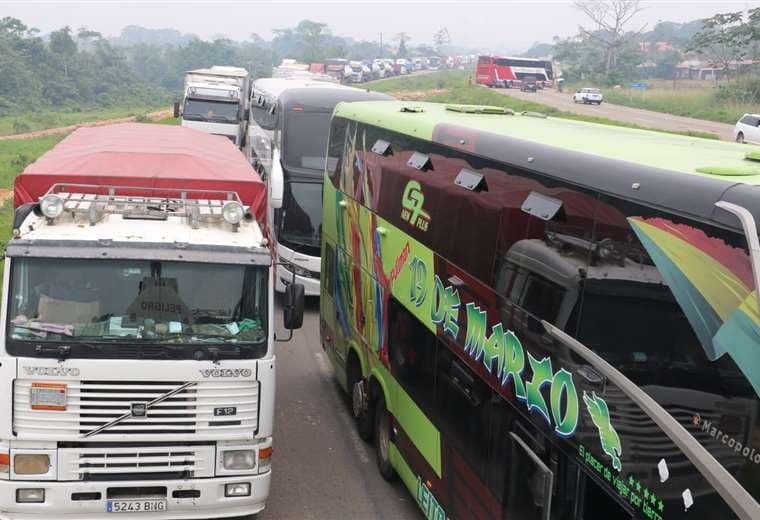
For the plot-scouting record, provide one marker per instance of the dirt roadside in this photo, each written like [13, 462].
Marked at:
[153, 116]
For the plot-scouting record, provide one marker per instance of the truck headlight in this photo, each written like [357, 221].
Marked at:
[51, 206]
[239, 459]
[31, 464]
[233, 212]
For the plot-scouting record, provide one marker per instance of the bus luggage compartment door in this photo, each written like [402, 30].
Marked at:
[531, 484]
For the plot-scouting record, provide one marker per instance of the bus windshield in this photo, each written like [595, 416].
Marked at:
[305, 139]
[300, 223]
[80, 301]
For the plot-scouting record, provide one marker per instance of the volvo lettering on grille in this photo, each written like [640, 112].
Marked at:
[226, 372]
[52, 371]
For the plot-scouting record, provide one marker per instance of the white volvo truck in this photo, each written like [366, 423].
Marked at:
[137, 371]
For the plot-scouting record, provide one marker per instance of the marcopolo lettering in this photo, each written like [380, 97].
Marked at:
[748, 452]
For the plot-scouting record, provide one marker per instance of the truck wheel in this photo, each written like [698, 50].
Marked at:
[383, 440]
[740, 137]
[357, 387]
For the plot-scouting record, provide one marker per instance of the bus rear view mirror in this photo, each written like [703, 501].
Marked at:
[293, 308]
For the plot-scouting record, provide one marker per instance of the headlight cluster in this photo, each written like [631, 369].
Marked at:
[239, 460]
[31, 464]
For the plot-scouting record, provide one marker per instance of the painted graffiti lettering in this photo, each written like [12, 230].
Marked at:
[542, 374]
[446, 308]
[504, 357]
[417, 289]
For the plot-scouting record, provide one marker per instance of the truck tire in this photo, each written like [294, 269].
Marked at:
[383, 440]
[357, 392]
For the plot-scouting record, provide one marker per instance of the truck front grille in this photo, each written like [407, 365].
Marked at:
[93, 404]
[142, 462]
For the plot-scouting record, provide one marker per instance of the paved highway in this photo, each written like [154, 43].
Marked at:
[645, 118]
[321, 468]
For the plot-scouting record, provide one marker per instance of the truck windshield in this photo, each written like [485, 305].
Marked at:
[135, 301]
[205, 110]
[665, 349]
[305, 139]
[300, 220]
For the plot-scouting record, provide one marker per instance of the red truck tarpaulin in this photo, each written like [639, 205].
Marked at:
[145, 155]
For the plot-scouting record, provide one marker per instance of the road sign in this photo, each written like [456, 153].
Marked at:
[639, 85]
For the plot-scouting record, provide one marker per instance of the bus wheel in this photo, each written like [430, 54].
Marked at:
[359, 400]
[383, 440]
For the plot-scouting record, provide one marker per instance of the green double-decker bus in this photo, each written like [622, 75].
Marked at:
[539, 318]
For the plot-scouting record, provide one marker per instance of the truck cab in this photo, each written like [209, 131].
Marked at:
[136, 348]
[215, 101]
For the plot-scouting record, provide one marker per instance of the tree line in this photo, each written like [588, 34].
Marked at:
[78, 69]
[613, 48]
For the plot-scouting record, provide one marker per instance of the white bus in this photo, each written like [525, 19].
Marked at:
[289, 123]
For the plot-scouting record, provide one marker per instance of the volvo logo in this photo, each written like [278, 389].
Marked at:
[138, 410]
[226, 372]
[52, 371]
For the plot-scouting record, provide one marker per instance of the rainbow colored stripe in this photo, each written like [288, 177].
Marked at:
[712, 282]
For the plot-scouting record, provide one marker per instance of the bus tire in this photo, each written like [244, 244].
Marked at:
[358, 393]
[383, 440]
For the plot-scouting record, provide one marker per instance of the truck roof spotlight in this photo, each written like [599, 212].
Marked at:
[233, 212]
[51, 206]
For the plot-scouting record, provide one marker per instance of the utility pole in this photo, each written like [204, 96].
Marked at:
[381, 45]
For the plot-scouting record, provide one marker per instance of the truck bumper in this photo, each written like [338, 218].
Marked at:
[210, 504]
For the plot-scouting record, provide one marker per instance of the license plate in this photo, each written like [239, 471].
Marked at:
[147, 505]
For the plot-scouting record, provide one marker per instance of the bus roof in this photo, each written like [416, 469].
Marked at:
[638, 164]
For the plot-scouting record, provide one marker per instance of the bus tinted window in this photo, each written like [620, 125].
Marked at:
[300, 219]
[411, 349]
[305, 139]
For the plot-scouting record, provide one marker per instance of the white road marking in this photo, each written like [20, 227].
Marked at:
[348, 424]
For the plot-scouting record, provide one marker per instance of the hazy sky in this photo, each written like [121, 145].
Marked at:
[502, 24]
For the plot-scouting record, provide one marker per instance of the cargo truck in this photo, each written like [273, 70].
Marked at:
[137, 371]
[215, 101]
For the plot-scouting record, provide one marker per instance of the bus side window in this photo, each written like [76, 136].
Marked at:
[411, 349]
[335, 148]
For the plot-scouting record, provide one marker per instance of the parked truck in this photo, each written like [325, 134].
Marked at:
[137, 371]
[216, 102]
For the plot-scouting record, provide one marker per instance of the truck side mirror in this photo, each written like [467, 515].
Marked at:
[293, 308]
[176, 109]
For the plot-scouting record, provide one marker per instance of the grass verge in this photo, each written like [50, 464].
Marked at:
[43, 120]
[451, 87]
